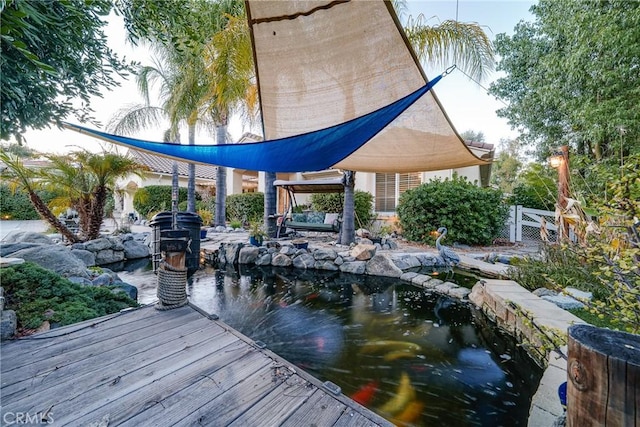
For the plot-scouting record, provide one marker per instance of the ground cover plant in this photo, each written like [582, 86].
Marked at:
[37, 295]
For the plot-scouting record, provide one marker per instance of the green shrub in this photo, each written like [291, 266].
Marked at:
[37, 294]
[156, 198]
[245, 207]
[333, 202]
[18, 206]
[472, 215]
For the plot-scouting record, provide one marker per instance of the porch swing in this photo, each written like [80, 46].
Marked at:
[324, 222]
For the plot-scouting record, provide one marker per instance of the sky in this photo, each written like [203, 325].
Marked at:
[466, 102]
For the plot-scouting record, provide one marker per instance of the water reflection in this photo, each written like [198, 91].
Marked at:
[414, 357]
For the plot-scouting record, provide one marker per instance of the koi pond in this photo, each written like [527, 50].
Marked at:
[414, 357]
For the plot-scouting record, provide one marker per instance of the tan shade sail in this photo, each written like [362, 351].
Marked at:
[321, 63]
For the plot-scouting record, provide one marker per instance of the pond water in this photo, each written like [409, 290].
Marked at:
[408, 354]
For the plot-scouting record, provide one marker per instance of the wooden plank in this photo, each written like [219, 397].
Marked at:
[30, 365]
[100, 390]
[135, 353]
[352, 418]
[321, 408]
[226, 407]
[172, 407]
[42, 347]
[278, 405]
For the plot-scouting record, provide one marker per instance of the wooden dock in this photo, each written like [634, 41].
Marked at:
[146, 367]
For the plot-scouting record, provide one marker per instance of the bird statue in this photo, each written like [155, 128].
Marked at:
[449, 257]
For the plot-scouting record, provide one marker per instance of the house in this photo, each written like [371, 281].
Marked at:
[386, 187]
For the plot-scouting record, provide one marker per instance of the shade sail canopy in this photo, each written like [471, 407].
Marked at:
[321, 62]
[310, 186]
[312, 151]
[339, 87]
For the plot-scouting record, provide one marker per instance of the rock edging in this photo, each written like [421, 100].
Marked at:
[361, 258]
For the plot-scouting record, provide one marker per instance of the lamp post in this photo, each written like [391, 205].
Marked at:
[560, 160]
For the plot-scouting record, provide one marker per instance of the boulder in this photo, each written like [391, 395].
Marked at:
[85, 256]
[406, 262]
[248, 255]
[563, 301]
[363, 252]
[325, 265]
[264, 259]
[10, 248]
[323, 254]
[304, 261]
[380, 265]
[288, 250]
[354, 267]
[131, 291]
[55, 258]
[26, 237]
[109, 256]
[8, 324]
[104, 279]
[134, 249]
[281, 260]
[98, 245]
[230, 252]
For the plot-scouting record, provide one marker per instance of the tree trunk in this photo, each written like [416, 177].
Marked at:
[96, 215]
[46, 214]
[269, 204]
[175, 192]
[348, 230]
[221, 181]
[191, 185]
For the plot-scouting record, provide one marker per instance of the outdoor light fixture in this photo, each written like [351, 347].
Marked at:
[556, 159]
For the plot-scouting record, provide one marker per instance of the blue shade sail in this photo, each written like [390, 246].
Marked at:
[313, 151]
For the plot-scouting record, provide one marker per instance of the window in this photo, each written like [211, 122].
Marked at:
[389, 187]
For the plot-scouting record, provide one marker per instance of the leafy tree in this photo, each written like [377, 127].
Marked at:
[473, 136]
[155, 198]
[52, 53]
[506, 166]
[572, 77]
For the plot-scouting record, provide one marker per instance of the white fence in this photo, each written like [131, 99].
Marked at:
[524, 224]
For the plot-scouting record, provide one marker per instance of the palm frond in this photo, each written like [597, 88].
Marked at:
[452, 42]
[136, 117]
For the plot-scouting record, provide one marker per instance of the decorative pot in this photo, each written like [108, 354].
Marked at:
[255, 241]
[203, 234]
[300, 244]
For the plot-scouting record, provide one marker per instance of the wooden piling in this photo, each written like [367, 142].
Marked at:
[603, 368]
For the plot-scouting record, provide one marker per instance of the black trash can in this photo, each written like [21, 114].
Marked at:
[186, 221]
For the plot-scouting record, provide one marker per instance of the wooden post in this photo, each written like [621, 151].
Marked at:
[603, 388]
[563, 188]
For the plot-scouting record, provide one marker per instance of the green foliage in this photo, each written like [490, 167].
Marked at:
[245, 207]
[53, 51]
[536, 188]
[607, 263]
[472, 215]
[18, 206]
[333, 202]
[155, 198]
[570, 77]
[18, 150]
[37, 294]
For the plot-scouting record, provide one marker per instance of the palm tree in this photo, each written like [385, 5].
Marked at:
[233, 88]
[18, 177]
[144, 116]
[85, 179]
